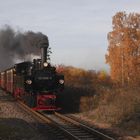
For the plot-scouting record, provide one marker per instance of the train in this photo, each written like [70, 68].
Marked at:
[36, 83]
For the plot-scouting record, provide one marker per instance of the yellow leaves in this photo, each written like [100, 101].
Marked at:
[124, 47]
[74, 76]
[102, 75]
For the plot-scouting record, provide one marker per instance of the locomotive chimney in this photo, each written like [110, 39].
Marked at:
[44, 46]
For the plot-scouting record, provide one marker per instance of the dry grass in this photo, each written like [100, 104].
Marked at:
[119, 107]
[118, 104]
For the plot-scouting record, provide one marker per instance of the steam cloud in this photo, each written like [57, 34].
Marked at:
[16, 45]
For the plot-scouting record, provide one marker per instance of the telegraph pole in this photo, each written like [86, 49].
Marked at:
[122, 57]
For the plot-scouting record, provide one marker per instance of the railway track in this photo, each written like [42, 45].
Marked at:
[77, 130]
[65, 128]
[89, 124]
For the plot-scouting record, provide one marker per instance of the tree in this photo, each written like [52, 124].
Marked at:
[124, 48]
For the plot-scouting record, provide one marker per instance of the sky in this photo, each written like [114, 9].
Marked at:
[77, 29]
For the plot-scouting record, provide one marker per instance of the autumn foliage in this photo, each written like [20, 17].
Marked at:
[99, 97]
[124, 49]
[93, 94]
[82, 88]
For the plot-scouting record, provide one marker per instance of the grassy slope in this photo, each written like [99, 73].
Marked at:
[120, 108]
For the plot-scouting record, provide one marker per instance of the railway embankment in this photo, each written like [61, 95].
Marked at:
[118, 110]
[15, 123]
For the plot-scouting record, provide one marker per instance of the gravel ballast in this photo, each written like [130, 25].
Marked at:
[16, 124]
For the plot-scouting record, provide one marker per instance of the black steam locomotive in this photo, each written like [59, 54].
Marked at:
[35, 83]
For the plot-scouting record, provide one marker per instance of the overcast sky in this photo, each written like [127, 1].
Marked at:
[77, 29]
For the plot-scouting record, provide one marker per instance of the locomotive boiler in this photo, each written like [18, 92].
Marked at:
[36, 83]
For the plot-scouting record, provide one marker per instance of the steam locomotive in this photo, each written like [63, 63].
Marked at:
[35, 83]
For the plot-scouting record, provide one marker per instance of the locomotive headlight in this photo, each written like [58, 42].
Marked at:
[45, 64]
[61, 81]
[29, 82]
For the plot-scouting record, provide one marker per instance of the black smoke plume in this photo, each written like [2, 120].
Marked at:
[15, 45]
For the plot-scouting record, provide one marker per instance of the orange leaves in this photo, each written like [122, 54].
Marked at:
[124, 48]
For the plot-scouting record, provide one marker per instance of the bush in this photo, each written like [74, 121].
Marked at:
[117, 105]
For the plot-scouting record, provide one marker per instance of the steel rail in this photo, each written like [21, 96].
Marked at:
[59, 127]
[45, 119]
[91, 130]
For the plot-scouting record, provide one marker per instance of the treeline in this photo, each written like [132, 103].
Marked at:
[78, 77]
[83, 88]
